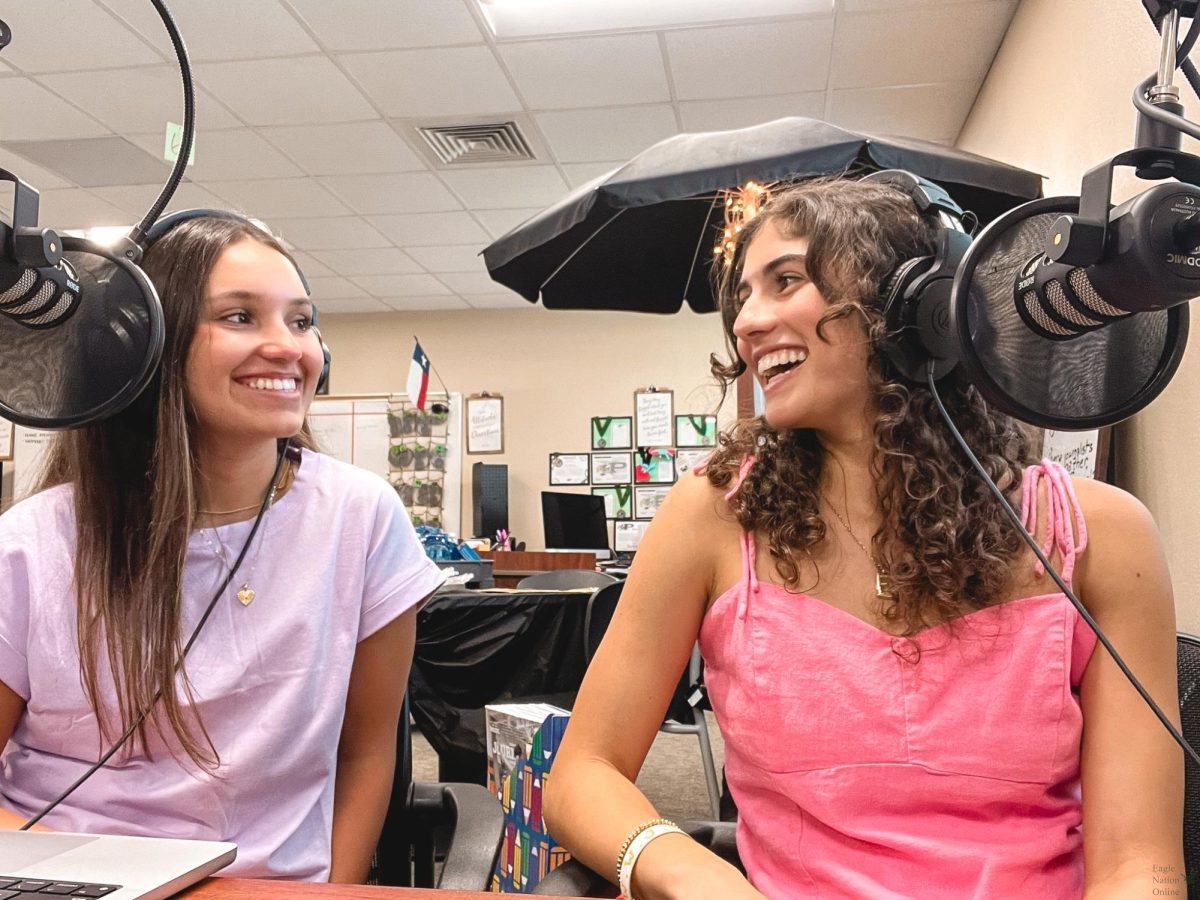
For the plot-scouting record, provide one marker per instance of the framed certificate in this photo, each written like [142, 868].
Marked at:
[612, 468]
[618, 500]
[612, 432]
[655, 465]
[647, 499]
[695, 431]
[569, 468]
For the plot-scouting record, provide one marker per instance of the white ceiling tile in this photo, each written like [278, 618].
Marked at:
[946, 43]
[594, 71]
[269, 198]
[70, 34]
[389, 24]
[325, 289]
[31, 113]
[581, 173]
[311, 266]
[303, 89]
[455, 258]
[76, 208]
[722, 115]
[508, 300]
[30, 172]
[339, 306]
[228, 156]
[136, 199]
[501, 188]
[416, 285]
[455, 81]
[430, 229]
[611, 134]
[410, 191]
[789, 57]
[446, 303]
[96, 161]
[376, 261]
[329, 233]
[110, 97]
[502, 221]
[240, 29]
[930, 112]
[466, 283]
[345, 148]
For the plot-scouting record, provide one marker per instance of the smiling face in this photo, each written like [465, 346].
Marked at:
[253, 362]
[809, 380]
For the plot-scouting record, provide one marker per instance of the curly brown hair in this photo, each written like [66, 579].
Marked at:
[944, 540]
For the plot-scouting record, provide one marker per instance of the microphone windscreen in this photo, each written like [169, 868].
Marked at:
[88, 363]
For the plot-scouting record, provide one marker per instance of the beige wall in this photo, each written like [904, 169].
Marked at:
[556, 369]
[1057, 102]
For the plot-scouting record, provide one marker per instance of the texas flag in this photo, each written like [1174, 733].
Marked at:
[418, 377]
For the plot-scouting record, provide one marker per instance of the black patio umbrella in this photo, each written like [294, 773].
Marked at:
[641, 238]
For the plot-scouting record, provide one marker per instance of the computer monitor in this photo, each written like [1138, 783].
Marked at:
[575, 522]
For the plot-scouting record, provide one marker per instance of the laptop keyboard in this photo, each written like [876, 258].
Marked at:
[21, 888]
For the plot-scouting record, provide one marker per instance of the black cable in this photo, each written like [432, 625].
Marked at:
[107, 755]
[1032, 542]
[189, 127]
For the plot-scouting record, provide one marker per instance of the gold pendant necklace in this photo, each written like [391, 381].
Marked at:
[246, 594]
[882, 588]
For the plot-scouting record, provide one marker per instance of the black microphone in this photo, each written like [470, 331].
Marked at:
[36, 296]
[1149, 259]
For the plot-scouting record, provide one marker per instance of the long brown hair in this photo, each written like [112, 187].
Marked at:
[133, 478]
[944, 540]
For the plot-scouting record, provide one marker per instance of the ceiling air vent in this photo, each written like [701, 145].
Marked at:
[484, 143]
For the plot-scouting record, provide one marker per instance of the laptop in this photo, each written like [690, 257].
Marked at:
[139, 868]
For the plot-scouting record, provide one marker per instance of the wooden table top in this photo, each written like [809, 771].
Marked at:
[250, 889]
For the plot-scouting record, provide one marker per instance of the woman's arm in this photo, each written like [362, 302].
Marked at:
[1132, 770]
[367, 750]
[590, 801]
[11, 709]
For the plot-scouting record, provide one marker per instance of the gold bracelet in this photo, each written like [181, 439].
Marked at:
[633, 834]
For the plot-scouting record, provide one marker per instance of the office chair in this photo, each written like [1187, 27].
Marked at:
[565, 579]
[683, 716]
[1188, 668]
[436, 834]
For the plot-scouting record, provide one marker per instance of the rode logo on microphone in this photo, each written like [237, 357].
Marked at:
[1183, 259]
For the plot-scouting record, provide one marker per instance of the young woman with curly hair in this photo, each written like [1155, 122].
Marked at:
[911, 707]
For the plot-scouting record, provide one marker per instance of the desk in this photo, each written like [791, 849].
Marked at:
[249, 889]
[510, 566]
[480, 647]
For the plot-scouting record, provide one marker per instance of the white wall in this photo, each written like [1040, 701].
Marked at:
[1057, 101]
[555, 369]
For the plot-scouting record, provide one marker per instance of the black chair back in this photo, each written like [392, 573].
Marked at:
[1188, 667]
[600, 608]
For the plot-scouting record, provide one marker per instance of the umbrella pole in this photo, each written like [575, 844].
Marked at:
[695, 256]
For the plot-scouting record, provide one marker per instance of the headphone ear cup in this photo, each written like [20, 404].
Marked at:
[326, 357]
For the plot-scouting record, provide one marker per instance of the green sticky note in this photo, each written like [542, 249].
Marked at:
[173, 141]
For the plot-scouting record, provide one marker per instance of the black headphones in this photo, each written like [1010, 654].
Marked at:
[166, 223]
[916, 296]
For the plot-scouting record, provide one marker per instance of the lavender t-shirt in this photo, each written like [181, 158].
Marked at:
[335, 560]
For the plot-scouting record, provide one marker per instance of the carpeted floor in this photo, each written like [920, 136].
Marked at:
[672, 777]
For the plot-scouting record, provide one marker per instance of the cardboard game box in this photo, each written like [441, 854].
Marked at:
[521, 740]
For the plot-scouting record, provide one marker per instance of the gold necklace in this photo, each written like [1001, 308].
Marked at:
[245, 593]
[285, 482]
[882, 589]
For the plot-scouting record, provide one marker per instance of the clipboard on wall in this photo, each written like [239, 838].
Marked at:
[653, 422]
[485, 423]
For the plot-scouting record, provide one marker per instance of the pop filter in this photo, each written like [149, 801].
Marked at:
[1020, 358]
[92, 362]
